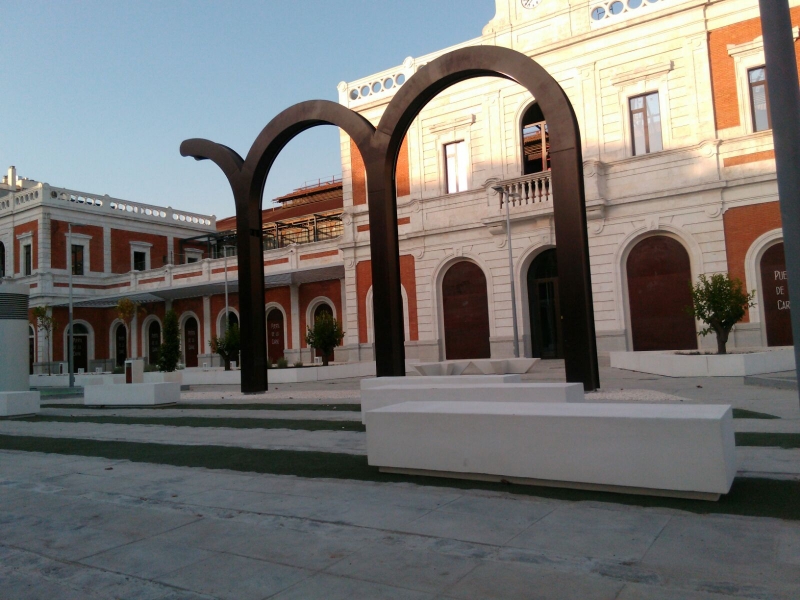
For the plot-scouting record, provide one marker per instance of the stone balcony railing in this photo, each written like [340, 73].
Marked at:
[533, 191]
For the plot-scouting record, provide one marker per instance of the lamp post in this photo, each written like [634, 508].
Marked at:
[70, 344]
[227, 318]
[501, 191]
[784, 104]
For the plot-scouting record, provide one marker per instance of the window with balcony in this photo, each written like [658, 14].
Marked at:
[535, 142]
[456, 165]
[646, 124]
[139, 261]
[77, 259]
[27, 254]
[759, 99]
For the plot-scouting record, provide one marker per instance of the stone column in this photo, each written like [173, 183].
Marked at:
[205, 348]
[294, 295]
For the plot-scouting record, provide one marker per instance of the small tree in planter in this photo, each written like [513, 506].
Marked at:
[169, 354]
[46, 323]
[325, 336]
[127, 309]
[227, 345]
[720, 302]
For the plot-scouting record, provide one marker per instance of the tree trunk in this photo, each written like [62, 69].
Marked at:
[226, 360]
[325, 359]
[722, 341]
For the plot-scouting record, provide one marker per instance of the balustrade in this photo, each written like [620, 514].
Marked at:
[530, 190]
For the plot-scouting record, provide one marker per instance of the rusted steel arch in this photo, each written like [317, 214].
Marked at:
[567, 182]
[247, 179]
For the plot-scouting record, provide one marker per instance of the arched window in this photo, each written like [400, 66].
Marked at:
[2, 260]
[535, 141]
[544, 306]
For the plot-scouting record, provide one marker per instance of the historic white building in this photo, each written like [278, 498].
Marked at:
[670, 97]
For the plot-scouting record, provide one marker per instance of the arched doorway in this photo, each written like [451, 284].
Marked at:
[275, 335]
[31, 348]
[466, 312]
[190, 342]
[153, 342]
[544, 307]
[80, 347]
[775, 292]
[659, 293]
[535, 141]
[120, 344]
[318, 311]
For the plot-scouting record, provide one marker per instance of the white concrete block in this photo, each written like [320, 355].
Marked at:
[656, 449]
[422, 380]
[671, 364]
[164, 377]
[377, 397]
[482, 366]
[132, 394]
[14, 404]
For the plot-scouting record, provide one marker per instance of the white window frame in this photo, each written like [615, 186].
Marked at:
[465, 165]
[747, 56]
[78, 239]
[25, 239]
[141, 247]
[193, 253]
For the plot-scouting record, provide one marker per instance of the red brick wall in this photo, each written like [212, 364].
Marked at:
[402, 176]
[408, 277]
[58, 245]
[99, 318]
[723, 75]
[283, 296]
[194, 305]
[19, 230]
[121, 249]
[743, 225]
[308, 291]
[218, 305]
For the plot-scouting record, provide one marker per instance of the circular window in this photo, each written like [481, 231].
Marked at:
[53, 195]
[400, 79]
[175, 217]
[598, 13]
[376, 87]
[353, 94]
[388, 84]
[35, 194]
[365, 91]
[616, 7]
[634, 3]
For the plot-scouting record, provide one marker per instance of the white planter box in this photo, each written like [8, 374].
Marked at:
[15, 404]
[82, 380]
[373, 398]
[132, 394]
[162, 377]
[424, 380]
[486, 366]
[218, 376]
[671, 364]
[654, 449]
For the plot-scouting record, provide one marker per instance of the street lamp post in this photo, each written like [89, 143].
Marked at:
[227, 318]
[784, 104]
[70, 345]
[503, 194]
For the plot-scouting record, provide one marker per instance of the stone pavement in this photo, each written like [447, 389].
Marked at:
[76, 528]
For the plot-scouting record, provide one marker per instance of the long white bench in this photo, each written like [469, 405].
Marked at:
[15, 404]
[373, 382]
[654, 449]
[461, 389]
[132, 394]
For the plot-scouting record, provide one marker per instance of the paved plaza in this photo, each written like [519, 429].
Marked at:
[81, 524]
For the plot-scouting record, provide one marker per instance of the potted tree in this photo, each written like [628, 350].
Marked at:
[227, 345]
[46, 323]
[720, 302]
[325, 336]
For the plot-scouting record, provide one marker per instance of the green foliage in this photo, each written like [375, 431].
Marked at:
[720, 302]
[227, 345]
[282, 362]
[298, 364]
[325, 336]
[47, 323]
[169, 354]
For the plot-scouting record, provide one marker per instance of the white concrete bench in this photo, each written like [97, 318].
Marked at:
[132, 394]
[654, 449]
[15, 404]
[460, 389]
[422, 380]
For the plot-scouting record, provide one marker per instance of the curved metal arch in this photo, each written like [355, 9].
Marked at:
[567, 185]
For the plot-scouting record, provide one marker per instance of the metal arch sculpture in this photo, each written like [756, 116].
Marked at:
[379, 149]
[247, 179]
[569, 206]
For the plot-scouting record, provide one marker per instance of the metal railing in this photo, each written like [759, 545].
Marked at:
[314, 228]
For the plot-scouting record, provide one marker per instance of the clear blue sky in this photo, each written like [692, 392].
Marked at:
[97, 96]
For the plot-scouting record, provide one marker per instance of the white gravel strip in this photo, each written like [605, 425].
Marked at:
[644, 396]
[348, 442]
[307, 415]
[278, 396]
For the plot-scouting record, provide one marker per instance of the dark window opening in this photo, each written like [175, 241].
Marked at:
[646, 124]
[28, 254]
[759, 99]
[77, 259]
[140, 261]
[2, 260]
[535, 142]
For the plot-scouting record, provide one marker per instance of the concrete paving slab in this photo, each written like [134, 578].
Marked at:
[245, 578]
[149, 559]
[345, 588]
[637, 591]
[578, 530]
[768, 462]
[168, 413]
